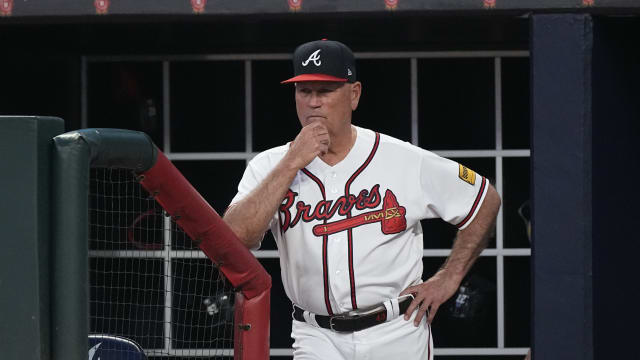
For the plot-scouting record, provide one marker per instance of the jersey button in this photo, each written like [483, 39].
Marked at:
[334, 190]
[337, 272]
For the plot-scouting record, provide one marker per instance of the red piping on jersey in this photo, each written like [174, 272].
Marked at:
[475, 203]
[352, 279]
[325, 239]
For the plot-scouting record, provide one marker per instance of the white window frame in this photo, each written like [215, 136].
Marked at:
[499, 252]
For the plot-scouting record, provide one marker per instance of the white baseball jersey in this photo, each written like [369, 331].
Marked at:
[349, 235]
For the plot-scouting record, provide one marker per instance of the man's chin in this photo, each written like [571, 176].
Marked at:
[313, 119]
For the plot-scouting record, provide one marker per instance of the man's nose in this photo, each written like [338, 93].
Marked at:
[315, 100]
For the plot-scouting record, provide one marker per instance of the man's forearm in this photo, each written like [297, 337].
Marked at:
[468, 245]
[471, 241]
[250, 217]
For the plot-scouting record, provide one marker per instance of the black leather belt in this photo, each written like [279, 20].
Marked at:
[355, 320]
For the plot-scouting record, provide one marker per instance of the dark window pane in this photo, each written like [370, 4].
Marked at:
[122, 215]
[180, 240]
[280, 307]
[468, 318]
[213, 356]
[216, 180]
[385, 104]
[207, 106]
[126, 95]
[202, 306]
[439, 234]
[484, 357]
[126, 298]
[515, 103]
[456, 104]
[515, 202]
[42, 84]
[275, 120]
[517, 301]
[268, 242]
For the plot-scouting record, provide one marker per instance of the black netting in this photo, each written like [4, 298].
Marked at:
[147, 283]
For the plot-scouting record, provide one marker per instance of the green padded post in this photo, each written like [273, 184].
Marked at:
[73, 155]
[70, 284]
[25, 209]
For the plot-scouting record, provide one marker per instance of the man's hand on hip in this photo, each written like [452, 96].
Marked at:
[429, 295]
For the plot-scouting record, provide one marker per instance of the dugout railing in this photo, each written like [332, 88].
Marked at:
[74, 155]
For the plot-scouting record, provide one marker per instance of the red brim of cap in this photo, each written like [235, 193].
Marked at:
[313, 77]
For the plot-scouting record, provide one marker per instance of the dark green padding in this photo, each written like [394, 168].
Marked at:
[115, 148]
[25, 209]
[73, 155]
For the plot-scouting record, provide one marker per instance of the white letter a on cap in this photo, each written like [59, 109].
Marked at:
[315, 57]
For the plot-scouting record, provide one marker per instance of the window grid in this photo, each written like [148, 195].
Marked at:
[272, 254]
[499, 221]
[166, 107]
[168, 283]
[498, 153]
[445, 153]
[166, 139]
[414, 101]
[248, 107]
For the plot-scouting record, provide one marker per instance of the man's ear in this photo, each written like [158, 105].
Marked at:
[356, 91]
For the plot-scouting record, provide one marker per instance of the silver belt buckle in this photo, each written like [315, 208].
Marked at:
[340, 317]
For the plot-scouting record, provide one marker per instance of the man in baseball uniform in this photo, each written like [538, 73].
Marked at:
[344, 204]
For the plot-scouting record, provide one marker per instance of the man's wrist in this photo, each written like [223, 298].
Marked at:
[451, 275]
[289, 164]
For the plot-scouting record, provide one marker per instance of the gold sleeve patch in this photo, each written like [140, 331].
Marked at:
[467, 174]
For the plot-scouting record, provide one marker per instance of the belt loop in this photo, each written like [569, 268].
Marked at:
[389, 307]
[395, 306]
[310, 318]
[305, 315]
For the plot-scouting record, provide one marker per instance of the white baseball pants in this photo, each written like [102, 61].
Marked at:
[395, 339]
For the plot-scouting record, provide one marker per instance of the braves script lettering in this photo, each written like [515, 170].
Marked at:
[325, 209]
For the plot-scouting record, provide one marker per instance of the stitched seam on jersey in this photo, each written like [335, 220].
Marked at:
[475, 203]
[352, 280]
[325, 240]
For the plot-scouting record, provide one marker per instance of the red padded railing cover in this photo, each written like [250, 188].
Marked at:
[202, 224]
[247, 344]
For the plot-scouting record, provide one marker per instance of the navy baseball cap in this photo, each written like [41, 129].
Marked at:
[323, 60]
